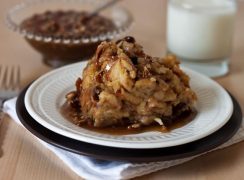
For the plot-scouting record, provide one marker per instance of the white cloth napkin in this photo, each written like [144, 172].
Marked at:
[90, 168]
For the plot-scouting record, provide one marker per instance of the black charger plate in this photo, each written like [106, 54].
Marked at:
[124, 154]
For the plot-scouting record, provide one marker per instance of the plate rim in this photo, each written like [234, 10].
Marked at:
[133, 155]
[58, 130]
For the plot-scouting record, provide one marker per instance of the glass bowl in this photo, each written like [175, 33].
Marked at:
[58, 51]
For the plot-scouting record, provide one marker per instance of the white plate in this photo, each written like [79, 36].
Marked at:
[47, 94]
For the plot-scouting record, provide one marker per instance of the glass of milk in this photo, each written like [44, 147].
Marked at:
[200, 33]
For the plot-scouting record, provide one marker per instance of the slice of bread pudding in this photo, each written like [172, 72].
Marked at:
[123, 86]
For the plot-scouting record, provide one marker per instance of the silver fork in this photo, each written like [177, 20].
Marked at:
[9, 84]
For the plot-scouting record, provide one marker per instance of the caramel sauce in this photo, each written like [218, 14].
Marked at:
[73, 116]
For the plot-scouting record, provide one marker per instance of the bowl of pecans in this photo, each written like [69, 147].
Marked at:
[61, 31]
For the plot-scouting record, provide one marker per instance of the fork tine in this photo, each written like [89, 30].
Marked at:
[12, 78]
[17, 83]
[4, 79]
[1, 76]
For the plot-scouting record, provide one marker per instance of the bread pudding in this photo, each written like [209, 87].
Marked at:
[122, 86]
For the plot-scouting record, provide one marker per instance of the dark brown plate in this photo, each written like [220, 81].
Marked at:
[133, 155]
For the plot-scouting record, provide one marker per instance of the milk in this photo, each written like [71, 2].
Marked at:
[200, 30]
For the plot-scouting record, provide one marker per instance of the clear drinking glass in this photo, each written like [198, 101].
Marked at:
[200, 33]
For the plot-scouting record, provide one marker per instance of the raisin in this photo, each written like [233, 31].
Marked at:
[134, 60]
[95, 94]
[118, 41]
[99, 77]
[130, 39]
